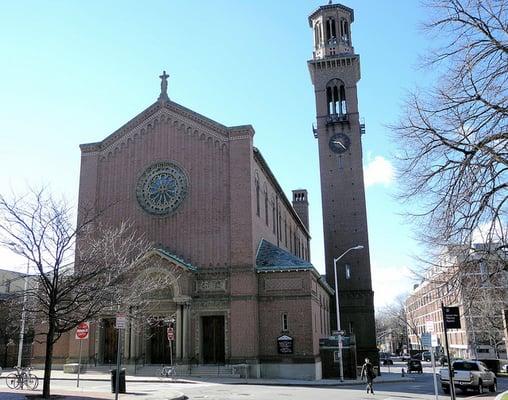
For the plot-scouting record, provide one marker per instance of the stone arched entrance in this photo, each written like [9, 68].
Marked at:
[146, 334]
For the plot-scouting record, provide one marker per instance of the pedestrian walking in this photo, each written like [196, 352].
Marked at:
[368, 374]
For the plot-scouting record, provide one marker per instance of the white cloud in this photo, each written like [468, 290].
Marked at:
[489, 232]
[388, 282]
[378, 171]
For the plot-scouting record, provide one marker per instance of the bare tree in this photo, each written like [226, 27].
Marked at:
[400, 319]
[453, 160]
[108, 272]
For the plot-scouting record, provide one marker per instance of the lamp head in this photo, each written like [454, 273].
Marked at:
[359, 247]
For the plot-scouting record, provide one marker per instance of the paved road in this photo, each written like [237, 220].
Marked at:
[420, 389]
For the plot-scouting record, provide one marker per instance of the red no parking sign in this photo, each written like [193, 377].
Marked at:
[82, 331]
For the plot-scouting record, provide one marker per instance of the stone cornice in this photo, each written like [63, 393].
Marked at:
[168, 111]
[331, 7]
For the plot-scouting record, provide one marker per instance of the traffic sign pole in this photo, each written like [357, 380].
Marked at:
[82, 332]
[450, 369]
[433, 361]
[79, 362]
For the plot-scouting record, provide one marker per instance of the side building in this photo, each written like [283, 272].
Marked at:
[478, 288]
[12, 285]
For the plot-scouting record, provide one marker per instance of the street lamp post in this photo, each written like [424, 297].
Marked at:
[337, 313]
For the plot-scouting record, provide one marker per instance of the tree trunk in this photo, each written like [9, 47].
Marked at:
[49, 358]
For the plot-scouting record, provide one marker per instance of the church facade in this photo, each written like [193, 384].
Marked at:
[246, 292]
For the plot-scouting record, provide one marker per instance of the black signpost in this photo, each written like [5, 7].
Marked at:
[451, 320]
[285, 344]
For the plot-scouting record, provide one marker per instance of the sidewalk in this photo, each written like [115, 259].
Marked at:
[169, 393]
[94, 375]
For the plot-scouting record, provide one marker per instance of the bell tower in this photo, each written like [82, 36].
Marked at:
[335, 71]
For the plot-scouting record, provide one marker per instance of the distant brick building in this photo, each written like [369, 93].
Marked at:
[482, 298]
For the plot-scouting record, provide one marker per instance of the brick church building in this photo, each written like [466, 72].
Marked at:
[247, 293]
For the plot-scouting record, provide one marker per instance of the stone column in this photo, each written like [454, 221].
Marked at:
[185, 331]
[178, 331]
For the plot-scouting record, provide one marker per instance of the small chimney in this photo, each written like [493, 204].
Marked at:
[301, 205]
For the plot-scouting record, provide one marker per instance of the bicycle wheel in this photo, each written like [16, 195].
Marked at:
[12, 380]
[32, 382]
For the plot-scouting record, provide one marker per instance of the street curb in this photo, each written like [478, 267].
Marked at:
[317, 385]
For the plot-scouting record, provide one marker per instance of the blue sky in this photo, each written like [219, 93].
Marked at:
[73, 72]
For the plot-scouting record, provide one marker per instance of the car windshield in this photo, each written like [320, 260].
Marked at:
[465, 366]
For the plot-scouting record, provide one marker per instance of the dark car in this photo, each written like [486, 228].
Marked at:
[385, 359]
[414, 366]
[426, 356]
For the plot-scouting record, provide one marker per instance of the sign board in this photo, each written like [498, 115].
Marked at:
[285, 344]
[429, 326]
[82, 331]
[451, 317]
[338, 333]
[336, 356]
[434, 341]
[121, 320]
[330, 342]
[171, 333]
[426, 339]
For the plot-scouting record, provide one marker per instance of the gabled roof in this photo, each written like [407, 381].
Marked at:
[169, 107]
[166, 254]
[271, 258]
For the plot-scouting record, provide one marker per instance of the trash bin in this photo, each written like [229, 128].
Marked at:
[121, 386]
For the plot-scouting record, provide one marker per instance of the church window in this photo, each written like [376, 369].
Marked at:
[285, 232]
[266, 207]
[345, 33]
[274, 220]
[321, 314]
[336, 97]
[257, 197]
[317, 34]
[342, 98]
[279, 226]
[330, 29]
[285, 325]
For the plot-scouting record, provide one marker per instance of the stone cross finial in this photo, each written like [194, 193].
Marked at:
[164, 86]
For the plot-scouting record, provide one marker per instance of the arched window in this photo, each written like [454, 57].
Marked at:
[336, 97]
[257, 197]
[330, 29]
[266, 207]
[274, 220]
[342, 98]
[317, 34]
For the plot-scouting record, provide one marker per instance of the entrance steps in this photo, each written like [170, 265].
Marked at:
[207, 370]
[225, 371]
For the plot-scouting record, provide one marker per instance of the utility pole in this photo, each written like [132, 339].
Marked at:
[23, 317]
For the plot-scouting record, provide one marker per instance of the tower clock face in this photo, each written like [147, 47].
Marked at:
[339, 143]
[161, 188]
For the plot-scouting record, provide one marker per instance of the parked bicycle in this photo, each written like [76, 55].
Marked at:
[21, 379]
[167, 372]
